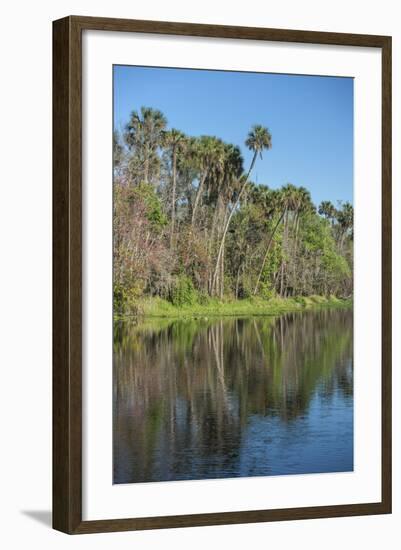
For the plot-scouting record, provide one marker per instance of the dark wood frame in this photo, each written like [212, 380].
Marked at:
[67, 278]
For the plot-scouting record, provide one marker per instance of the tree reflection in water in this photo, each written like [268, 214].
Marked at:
[213, 398]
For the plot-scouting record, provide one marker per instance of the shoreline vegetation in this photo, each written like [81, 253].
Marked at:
[194, 235]
[251, 307]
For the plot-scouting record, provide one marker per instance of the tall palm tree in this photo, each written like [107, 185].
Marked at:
[225, 175]
[208, 157]
[233, 166]
[144, 135]
[259, 139]
[302, 202]
[174, 141]
[328, 210]
[345, 218]
[223, 186]
[290, 198]
[280, 206]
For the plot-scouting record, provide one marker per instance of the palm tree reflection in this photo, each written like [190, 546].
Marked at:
[186, 390]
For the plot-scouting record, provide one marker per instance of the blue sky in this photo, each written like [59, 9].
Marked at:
[310, 119]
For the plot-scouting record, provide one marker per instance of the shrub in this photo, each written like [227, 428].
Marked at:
[204, 298]
[125, 300]
[154, 214]
[183, 292]
[266, 290]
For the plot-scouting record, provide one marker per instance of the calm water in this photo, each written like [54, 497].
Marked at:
[214, 398]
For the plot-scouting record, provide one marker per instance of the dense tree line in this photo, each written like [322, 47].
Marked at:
[190, 224]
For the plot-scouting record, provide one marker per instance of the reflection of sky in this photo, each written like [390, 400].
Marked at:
[317, 442]
[310, 118]
[218, 398]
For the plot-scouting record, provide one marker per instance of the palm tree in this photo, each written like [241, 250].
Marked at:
[302, 203]
[280, 205]
[259, 138]
[208, 156]
[290, 202]
[223, 186]
[345, 218]
[144, 135]
[174, 141]
[233, 165]
[327, 209]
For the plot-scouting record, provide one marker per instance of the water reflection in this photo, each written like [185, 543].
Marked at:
[213, 398]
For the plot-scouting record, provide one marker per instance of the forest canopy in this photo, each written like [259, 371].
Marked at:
[191, 226]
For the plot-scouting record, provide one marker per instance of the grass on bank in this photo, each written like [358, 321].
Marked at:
[157, 307]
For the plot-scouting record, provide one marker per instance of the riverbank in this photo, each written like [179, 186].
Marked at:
[156, 307]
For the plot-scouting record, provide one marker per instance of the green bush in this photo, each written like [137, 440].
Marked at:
[266, 290]
[204, 298]
[155, 215]
[183, 292]
[300, 300]
[125, 300]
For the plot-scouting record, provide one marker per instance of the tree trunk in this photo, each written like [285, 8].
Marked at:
[267, 252]
[294, 253]
[222, 275]
[237, 281]
[173, 197]
[283, 251]
[223, 238]
[212, 233]
[342, 239]
[146, 168]
[197, 197]
[282, 280]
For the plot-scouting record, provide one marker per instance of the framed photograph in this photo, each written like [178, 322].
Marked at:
[222, 275]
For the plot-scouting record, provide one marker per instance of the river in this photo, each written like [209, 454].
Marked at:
[231, 397]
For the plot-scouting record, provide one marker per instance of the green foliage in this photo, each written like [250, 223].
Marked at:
[154, 213]
[183, 292]
[266, 290]
[192, 229]
[125, 300]
[255, 306]
[204, 298]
